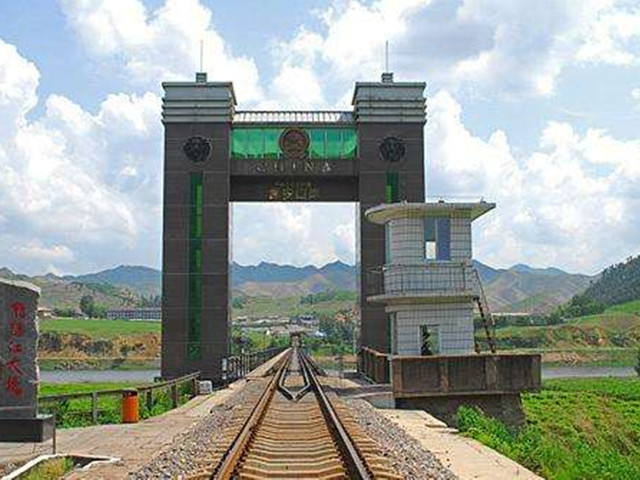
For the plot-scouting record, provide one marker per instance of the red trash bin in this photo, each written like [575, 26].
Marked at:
[130, 410]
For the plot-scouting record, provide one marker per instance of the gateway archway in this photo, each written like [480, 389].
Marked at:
[215, 155]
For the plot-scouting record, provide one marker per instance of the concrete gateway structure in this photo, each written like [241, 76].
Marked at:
[215, 155]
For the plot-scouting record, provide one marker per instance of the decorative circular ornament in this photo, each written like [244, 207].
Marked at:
[392, 149]
[197, 149]
[294, 143]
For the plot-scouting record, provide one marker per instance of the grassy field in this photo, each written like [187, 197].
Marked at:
[65, 388]
[577, 429]
[628, 308]
[99, 328]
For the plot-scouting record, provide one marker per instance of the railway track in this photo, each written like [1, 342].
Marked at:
[297, 430]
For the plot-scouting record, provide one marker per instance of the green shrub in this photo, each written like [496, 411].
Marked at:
[570, 435]
[52, 469]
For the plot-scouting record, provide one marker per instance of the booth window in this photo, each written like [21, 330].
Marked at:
[437, 238]
[429, 340]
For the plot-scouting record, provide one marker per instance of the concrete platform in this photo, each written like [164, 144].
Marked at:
[465, 457]
[133, 444]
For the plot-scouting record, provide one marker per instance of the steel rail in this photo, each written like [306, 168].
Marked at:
[227, 467]
[354, 463]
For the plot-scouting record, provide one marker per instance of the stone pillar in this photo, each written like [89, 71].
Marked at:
[18, 364]
[390, 118]
[195, 272]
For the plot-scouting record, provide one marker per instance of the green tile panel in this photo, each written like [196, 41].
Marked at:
[194, 329]
[264, 142]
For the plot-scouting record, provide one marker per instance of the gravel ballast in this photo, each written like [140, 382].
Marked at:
[188, 451]
[404, 452]
[194, 449]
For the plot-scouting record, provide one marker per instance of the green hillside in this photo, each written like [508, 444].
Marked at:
[610, 337]
[617, 284]
[327, 303]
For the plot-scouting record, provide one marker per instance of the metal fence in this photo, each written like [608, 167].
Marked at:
[105, 406]
[238, 366]
[431, 277]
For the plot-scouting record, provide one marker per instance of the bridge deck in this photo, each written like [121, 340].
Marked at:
[137, 444]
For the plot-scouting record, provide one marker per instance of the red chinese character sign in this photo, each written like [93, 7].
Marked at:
[18, 350]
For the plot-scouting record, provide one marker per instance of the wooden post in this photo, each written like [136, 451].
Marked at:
[194, 387]
[54, 440]
[94, 407]
[174, 396]
[149, 400]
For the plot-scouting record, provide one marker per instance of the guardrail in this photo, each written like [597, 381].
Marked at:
[428, 278]
[373, 365]
[85, 408]
[238, 366]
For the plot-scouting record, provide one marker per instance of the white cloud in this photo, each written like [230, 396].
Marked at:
[39, 252]
[18, 82]
[297, 87]
[87, 183]
[65, 177]
[614, 38]
[573, 203]
[487, 47]
[300, 234]
[162, 44]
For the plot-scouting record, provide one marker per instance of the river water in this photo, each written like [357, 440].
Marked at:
[95, 376]
[143, 376]
[586, 371]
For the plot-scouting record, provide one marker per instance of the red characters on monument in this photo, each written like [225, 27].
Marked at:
[13, 366]
[14, 348]
[16, 330]
[18, 309]
[13, 386]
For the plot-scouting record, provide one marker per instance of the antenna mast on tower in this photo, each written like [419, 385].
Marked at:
[201, 54]
[201, 76]
[387, 76]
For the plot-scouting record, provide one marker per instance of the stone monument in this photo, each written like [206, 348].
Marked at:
[19, 420]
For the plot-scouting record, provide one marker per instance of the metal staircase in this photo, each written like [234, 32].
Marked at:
[485, 313]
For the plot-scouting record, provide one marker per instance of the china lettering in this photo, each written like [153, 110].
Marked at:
[14, 349]
[294, 166]
[291, 191]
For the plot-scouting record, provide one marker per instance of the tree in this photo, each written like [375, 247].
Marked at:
[87, 305]
[237, 303]
[638, 363]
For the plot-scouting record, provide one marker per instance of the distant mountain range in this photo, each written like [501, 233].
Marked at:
[66, 292]
[517, 289]
[526, 289]
[145, 281]
[286, 280]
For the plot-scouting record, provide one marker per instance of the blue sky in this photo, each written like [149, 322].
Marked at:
[533, 105]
